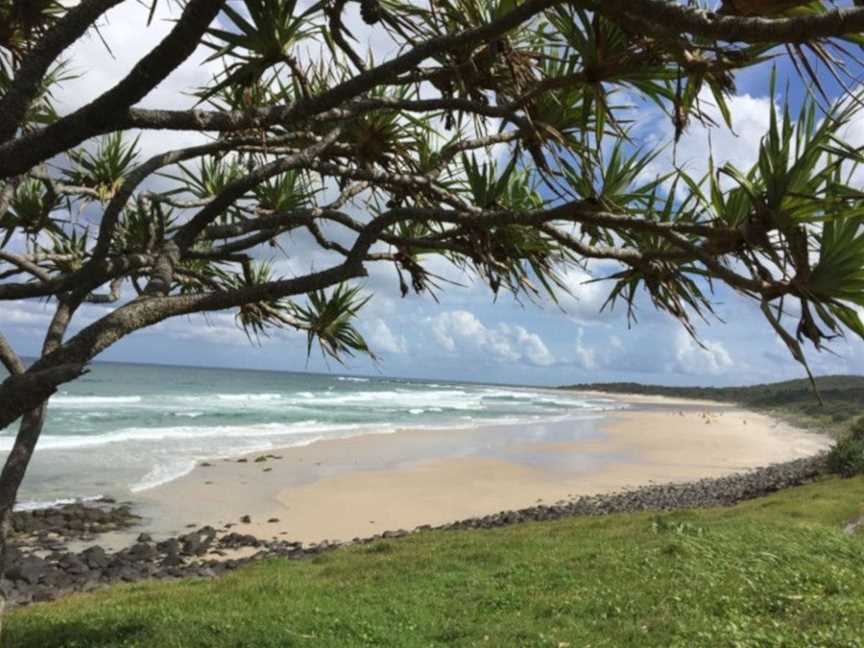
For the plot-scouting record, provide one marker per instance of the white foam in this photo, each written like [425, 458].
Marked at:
[75, 401]
[248, 397]
[165, 473]
[29, 505]
[193, 433]
[454, 399]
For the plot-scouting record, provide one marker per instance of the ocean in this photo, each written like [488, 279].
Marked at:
[124, 428]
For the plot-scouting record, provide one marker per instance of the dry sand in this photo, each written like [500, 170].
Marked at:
[341, 489]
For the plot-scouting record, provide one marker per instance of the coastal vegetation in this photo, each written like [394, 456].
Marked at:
[842, 399]
[774, 571]
[846, 458]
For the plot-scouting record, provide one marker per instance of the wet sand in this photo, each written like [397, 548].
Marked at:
[356, 487]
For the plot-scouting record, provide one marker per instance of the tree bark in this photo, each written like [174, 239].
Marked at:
[10, 481]
[19, 458]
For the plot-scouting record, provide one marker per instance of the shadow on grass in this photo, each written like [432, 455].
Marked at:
[75, 635]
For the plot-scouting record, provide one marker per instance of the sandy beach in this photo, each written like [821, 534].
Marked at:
[357, 487]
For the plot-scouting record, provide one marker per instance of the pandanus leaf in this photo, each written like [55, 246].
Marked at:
[328, 319]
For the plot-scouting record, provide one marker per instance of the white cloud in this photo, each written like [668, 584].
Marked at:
[124, 29]
[740, 146]
[531, 345]
[381, 338]
[460, 330]
[24, 313]
[586, 356]
[586, 297]
[692, 359]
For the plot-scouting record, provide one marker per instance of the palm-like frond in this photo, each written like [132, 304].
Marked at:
[30, 211]
[257, 44]
[328, 318]
[284, 193]
[105, 168]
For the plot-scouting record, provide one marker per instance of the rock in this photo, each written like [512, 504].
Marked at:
[95, 557]
[74, 565]
[171, 545]
[260, 459]
[171, 560]
[191, 545]
[273, 520]
[44, 596]
[145, 537]
[89, 585]
[143, 551]
[246, 519]
[29, 570]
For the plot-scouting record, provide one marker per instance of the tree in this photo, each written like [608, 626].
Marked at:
[496, 137]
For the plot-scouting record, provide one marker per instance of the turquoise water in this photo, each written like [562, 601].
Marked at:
[124, 428]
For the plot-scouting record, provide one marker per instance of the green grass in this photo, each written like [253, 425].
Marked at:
[776, 571]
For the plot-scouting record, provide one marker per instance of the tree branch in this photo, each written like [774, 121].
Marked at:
[737, 29]
[25, 86]
[97, 117]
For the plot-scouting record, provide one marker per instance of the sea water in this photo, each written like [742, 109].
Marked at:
[124, 428]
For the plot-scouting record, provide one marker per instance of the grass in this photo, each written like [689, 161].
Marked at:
[777, 571]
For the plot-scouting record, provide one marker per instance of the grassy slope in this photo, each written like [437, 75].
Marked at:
[793, 400]
[775, 571]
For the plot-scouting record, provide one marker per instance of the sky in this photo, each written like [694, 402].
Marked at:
[468, 334]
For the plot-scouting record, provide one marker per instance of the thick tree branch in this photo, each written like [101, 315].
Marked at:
[104, 114]
[21, 154]
[27, 391]
[9, 358]
[28, 78]
[673, 17]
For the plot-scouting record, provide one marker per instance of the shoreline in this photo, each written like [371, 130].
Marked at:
[339, 489]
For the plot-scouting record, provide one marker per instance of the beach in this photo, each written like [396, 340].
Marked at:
[341, 489]
[621, 455]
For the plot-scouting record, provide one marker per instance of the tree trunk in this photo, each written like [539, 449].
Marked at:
[10, 481]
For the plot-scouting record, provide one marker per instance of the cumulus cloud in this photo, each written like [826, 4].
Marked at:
[586, 297]
[382, 339]
[24, 313]
[460, 330]
[700, 142]
[124, 29]
[711, 357]
[99, 60]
